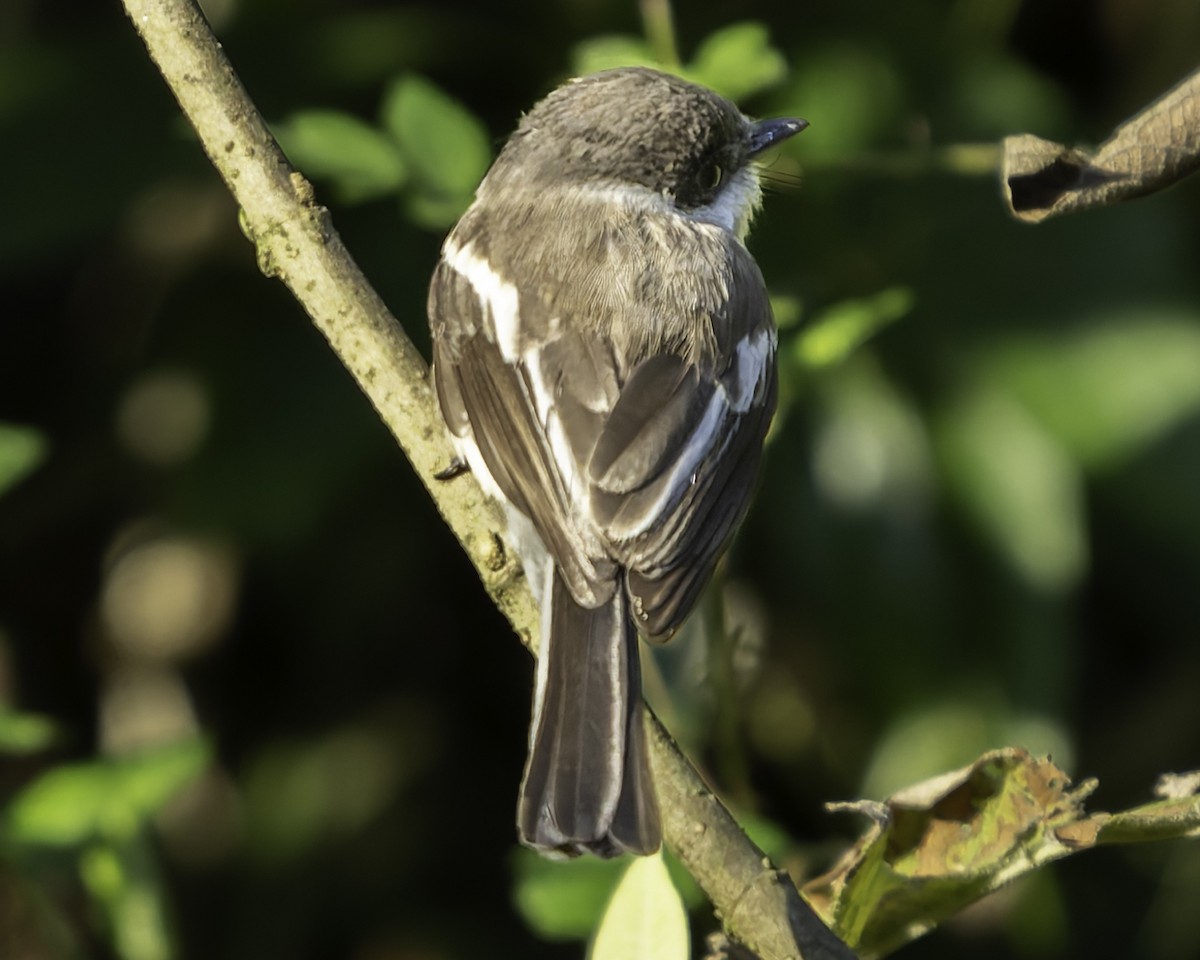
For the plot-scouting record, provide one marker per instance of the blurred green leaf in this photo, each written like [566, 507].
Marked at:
[837, 331]
[766, 834]
[871, 449]
[288, 797]
[147, 781]
[21, 450]
[300, 793]
[787, 309]
[1018, 484]
[74, 802]
[1107, 391]
[63, 807]
[22, 733]
[850, 94]
[738, 61]
[563, 900]
[939, 734]
[124, 882]
[689, 890]
[611, 51]
[102, 872]
[434, 211]
[446, 145]
[645, 917]
[359, 161]
[996, 96]
[1039, 924]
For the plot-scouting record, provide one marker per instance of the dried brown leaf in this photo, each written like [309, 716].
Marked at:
[1148, 152]
[934, 848]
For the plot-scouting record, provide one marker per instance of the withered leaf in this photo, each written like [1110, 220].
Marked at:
[933, 848]
[1148, 152]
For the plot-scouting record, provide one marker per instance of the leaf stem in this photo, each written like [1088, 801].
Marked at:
[659, 25]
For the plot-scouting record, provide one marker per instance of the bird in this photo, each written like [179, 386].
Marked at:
[604, 359]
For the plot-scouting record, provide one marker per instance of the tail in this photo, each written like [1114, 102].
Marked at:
[587, 785]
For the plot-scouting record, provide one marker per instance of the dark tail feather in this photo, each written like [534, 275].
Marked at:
[587, 785]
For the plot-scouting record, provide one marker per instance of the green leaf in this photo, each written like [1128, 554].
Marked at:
[563, 900]
[147, 781]
[787, 309]
[766, 834]
[360, 162]
[21, 450]
[446, 146]
[836, 332]
[123, 881]
[645, 917]
[1022, 489]
[933, 848]
[940, 845]
[1108, 391]
[63, 807]
[851, 96]
[871, 450]
[995, 95]
[103, 873]
[611, 51]
[75, 802]
[738, 61]
[433, 210]
[937, 733]
[24, 733]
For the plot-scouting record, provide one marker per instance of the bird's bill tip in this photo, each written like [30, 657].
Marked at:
[767, 133]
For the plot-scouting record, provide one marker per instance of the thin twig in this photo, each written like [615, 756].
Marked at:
[296, 242]
[659, 24]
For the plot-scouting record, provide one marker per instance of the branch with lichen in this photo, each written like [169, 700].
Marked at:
[296, 243]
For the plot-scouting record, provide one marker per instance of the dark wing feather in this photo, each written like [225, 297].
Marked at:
[673, 474]
[685, 552]
[652, 419]
[517, 450]
[494, 402]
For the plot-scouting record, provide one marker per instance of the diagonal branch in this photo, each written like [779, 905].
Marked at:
[296, 243]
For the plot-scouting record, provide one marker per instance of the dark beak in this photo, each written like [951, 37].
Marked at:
[766, 133]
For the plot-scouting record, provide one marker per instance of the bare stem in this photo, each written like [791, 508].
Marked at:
[659, 24]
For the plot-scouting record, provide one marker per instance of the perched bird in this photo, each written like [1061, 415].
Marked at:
[604, 359]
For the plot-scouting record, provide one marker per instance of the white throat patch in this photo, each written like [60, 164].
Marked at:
[734, 205]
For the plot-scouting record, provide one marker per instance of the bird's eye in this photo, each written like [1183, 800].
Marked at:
[700, 185]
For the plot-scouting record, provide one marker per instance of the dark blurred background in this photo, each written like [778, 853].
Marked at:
[982, 528]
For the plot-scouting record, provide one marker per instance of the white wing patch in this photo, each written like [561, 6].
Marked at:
[560, 447]
[755, 353]
[500, 299]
